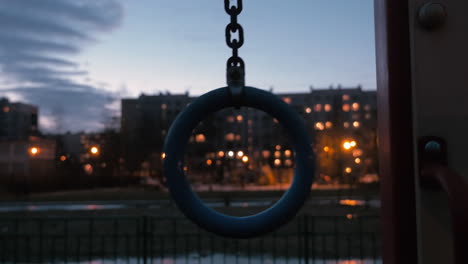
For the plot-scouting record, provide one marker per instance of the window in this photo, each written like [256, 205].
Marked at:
[230, 137]
[328, 108]
[346, 108]
[355, 106]
[319, 126]
[345, 97]
[200, 138]
[318, 107]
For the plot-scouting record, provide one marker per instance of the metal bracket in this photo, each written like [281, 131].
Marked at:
[235, 76]
[432, 150]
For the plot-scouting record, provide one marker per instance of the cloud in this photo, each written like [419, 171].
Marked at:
[38, 40]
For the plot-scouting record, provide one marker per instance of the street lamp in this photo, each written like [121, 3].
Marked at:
[94, 150]
[245, 159]
[34, 151]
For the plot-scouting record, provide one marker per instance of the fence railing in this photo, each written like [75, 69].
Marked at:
[172, 240]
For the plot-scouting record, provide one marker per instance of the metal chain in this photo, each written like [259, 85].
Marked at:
[231, 29]
[235, 70]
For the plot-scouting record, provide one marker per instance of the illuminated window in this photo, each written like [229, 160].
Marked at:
[277, 154]
[221, 154]
[277, 162]
[355, 106]
[230, 137]
[346, 107]
[287, 153]
[287, 100]
[88, 169]
[345, 97]
[230, 119]
[308, 110]
[6, 109]
[357, 152]
[346, 124]
[164, 106]
[200, 138]
[356, 124]
[326, 148]
[318, 107]
[63, 158]
[348, 170]
[278, 147]
[240, 153]
[239, 118]
[368, 116]
[328, 124]
[319, 126]
[245, 159]
[288, 162]
[357, 160]
[209, 162]
[327, 108]
[238, 137]
[367, 107]
[266, 154]
[231, 153]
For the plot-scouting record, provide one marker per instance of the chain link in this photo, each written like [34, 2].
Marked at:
[232, 28]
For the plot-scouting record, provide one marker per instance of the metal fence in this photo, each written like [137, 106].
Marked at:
[153, 239]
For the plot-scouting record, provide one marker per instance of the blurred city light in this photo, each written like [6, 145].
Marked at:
[277, 162]
[63, 158]
[231, 153]
[240, 153]
[94, 150]
[209, 162]
[245, 159]
[34, 151]
[348, 170]
[346, 145]
[221, 154]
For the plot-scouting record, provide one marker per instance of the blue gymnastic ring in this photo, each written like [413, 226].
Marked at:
[247, 226]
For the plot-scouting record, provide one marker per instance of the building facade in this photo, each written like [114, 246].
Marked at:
[251, 139]
[18, 121]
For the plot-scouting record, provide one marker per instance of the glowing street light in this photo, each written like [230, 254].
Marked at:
[34, 151]
[347, 145]
[94, 150]
[245, 159]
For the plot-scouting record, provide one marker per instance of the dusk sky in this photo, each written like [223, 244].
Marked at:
[75, 59]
